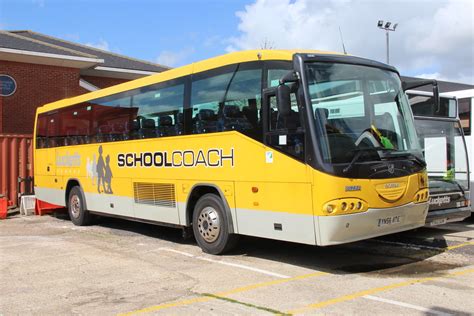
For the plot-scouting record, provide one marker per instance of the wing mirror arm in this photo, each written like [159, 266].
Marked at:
[284, 91]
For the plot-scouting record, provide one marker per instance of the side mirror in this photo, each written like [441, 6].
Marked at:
[415, 83]
[283, 100]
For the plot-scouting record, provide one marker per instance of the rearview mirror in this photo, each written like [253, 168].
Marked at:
[283, 100]
[413, 83]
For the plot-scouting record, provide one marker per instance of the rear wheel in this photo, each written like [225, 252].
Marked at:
[76, 208]
[211, 225]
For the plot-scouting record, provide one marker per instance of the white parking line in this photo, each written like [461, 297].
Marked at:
[176, 251]
[235, 265]
[419, 308]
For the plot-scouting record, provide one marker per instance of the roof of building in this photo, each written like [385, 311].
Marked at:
[13, 41]
[33, 42]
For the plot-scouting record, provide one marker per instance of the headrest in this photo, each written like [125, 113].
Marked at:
[232, 111]
[206, 114]
[148, 123]
[180, 118]
[104, 129]
[321, 113]
[119, 128]
[166, 120]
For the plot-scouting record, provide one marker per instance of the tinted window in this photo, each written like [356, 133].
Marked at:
[423, 105]
[74, 125]
[465, 114]
[227, 100]
[286, 133]
[147, 112]
[276, 70]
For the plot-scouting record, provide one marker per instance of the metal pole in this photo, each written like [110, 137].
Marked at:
[388, 54]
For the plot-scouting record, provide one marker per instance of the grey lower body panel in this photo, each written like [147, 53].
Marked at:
[375, 222]
[450, 215]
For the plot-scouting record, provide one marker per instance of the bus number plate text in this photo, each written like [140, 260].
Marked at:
[386, 221]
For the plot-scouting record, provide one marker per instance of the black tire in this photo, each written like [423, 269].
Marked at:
[76, 208]
[211, 225]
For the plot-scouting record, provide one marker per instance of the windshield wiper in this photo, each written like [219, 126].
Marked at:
[418, 160]
[359, 153]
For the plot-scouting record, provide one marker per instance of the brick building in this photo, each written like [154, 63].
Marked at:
[36, 69]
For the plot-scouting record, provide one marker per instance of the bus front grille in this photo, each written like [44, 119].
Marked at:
[157, 194]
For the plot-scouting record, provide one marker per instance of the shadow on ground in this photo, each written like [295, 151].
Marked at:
[402, 254]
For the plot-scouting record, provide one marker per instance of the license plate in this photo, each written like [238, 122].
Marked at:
[438, 222]
[391, 220]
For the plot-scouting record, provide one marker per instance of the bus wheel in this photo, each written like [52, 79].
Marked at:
[78, 214]
[210, 225]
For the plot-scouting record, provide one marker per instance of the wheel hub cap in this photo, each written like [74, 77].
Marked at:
[209, 224]
[75, 206]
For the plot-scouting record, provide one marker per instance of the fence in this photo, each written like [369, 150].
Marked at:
[16, 166]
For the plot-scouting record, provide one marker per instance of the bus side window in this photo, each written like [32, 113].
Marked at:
[41, 132]
[52, 130]
[147, 112]
[159, 110]
[74, 125]
[228, 99]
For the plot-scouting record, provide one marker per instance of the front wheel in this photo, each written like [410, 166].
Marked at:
[76, 208]
[211, 226]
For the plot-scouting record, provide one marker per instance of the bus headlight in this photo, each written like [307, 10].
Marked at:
[330, 208]
[344, 206]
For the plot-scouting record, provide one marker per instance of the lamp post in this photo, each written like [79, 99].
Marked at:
[387, 29]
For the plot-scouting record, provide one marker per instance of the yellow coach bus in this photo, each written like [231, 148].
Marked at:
[303, 146]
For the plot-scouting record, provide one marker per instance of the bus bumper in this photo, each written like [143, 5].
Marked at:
[375, 222]
[440, 217]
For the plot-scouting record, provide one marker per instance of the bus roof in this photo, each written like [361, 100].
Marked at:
[211, 63]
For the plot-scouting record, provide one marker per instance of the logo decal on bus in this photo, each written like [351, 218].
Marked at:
[350, 188]
[213, 158]
[100, 173]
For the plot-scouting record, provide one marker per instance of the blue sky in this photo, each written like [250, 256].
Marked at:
[188, 30]
[434, 38]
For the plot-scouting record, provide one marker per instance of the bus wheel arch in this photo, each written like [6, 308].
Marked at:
[76, 204]
[199, 190]
[74, 183]
[211, 225]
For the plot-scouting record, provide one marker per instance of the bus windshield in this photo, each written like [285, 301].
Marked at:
[445, 154]
[360, 109]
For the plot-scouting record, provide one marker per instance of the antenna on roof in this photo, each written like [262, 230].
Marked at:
[342, 41]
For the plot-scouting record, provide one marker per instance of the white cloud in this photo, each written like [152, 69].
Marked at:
[172, 59]
[432, 36]
[101, 44]
[434, 75]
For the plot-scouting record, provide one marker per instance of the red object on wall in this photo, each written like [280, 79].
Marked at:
[16, 160]
[3, 208]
